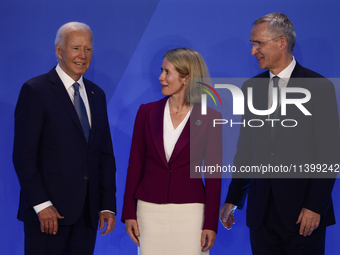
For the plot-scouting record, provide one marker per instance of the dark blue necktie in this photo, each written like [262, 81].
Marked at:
[81, 111]
[276, 112]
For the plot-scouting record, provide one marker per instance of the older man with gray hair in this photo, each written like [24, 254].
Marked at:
[63, 153]
[286, 214]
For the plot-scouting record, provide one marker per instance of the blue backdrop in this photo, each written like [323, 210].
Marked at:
[130, 39]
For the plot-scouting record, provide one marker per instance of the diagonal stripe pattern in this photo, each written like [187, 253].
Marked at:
[81, 111]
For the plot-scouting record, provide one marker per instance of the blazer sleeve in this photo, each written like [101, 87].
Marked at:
[213, 157]
[28, 127]
[136, 165]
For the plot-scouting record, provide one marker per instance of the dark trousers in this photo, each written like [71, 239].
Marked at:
[76, 239]
[274, 239]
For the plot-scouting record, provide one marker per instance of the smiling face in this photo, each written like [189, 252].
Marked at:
[171, 80]
[75, 54]
[270, 54]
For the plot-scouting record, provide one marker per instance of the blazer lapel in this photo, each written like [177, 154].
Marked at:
[156, 126]
[190, 129]
[60, 91]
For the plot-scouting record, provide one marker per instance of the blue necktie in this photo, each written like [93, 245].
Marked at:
[276, 112]
[81, 111]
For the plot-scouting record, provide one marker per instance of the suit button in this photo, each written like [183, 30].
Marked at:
[271, 154]
[86, 178]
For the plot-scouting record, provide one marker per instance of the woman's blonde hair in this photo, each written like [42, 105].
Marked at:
[190, 62]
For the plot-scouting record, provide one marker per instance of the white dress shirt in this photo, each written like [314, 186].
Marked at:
[284, 76]
[68, 83]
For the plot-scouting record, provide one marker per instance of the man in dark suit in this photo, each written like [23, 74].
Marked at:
[285, 215]
[63, 153]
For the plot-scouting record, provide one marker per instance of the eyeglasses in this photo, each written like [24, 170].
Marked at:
[259, 45]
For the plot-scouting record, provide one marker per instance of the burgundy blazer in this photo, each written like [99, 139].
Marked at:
[152, 179]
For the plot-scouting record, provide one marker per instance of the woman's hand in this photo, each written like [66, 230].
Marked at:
[208, 239]
[132, 230]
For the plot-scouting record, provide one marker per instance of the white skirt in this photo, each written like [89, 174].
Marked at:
[170, 229]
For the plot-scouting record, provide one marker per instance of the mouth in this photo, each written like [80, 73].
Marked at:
[79, 64]
[259, 58]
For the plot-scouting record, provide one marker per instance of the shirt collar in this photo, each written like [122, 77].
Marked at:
[287, 72]
[66, 79]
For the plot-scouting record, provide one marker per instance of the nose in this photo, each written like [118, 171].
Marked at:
[254, 50]
[82, 53]
[161, 77]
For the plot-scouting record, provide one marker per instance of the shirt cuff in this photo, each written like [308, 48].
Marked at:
[42, 206]
[108, 211]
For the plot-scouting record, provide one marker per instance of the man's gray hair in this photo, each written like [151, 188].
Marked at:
[67, 28]
[280, 25]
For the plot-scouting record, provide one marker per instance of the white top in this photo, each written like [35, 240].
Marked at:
[171, 135]
[284, 76]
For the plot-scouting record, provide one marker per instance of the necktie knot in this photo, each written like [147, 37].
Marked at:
[276, 81]
[76, 87]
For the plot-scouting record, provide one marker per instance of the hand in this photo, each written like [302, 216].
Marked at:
[207, 239]
[132, 230]
[48, 218]
[227, 215]
[309, 221]
[110, 220]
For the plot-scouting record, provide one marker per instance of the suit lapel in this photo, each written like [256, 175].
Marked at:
[60, 91]
[297, 73]
[91, 98]
[260, 102]
[156, 126]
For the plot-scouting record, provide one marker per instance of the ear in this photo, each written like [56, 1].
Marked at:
[283, 43]
[58, 51]
[185, 79]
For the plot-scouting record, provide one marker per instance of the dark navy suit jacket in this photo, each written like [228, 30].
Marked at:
[152, 179]
[315, 140]
[52, 159]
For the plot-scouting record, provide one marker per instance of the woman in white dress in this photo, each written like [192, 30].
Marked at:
[168, 209]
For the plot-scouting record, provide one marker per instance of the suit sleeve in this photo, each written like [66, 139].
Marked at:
[327, 143]
[238, 188]
[136, 165]
[28, 128]
[213, 157]
[108, 172]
